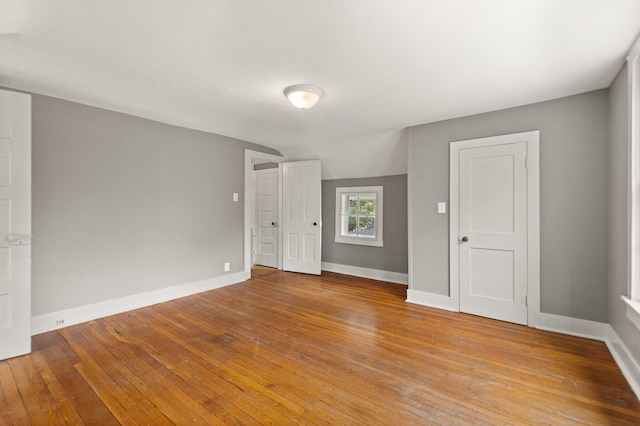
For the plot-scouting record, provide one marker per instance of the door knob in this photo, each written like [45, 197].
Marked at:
[315, 223]
[465, 239]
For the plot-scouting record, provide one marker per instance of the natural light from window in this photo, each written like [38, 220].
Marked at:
[359, 215]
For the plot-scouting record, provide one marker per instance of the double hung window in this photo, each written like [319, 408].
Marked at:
[359, 215]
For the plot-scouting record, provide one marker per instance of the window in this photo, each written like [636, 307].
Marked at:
[359, 215]
[633, 61]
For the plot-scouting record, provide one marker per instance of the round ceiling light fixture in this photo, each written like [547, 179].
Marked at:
[303, 96]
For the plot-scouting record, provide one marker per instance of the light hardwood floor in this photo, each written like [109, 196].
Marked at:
[286, 348]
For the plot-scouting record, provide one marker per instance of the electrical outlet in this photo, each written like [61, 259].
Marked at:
[60, 322]
[227, 266]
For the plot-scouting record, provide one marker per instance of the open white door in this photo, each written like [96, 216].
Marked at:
[267, 203]
[301, 217]
[15, 224]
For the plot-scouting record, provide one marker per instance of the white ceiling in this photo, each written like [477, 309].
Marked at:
[221, 65]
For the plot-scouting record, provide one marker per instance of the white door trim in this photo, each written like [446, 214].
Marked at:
[532, 139]
[250, 157]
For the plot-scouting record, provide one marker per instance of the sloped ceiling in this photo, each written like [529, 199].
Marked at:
[221, 66]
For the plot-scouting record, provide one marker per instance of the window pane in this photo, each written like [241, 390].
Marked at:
[352, 230]
[367, 227]
[357, 215]
[344, 224]
[368, 205]
[344, 204]
[353, 204]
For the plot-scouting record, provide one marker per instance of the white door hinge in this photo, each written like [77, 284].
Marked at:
[526, 300]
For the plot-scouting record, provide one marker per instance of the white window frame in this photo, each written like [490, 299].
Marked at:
[359, 190]
[633, 253]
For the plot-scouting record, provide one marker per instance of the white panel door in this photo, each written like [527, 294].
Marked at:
[267, 217]
[15, 224]
[493, 231]
[301, 217]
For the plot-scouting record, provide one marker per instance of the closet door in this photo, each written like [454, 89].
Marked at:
[15, 224]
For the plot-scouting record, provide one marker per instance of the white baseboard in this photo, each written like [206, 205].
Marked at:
[598, 331]
[601, 331]
[51, 321]
[430, 299]
[628, 365]
[573, 326]
[374, 274]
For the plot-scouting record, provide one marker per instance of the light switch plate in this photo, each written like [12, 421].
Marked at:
[235, 197]
[442, 207]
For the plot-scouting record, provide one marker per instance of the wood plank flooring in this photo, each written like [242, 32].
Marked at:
[286, 348]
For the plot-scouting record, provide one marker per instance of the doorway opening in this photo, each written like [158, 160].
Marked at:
[251, 159]
[299, 218]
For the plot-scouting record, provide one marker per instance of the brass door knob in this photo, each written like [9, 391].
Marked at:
[465, 239]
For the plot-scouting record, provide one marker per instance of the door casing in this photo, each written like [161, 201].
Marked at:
[252, 157]
[532, 139]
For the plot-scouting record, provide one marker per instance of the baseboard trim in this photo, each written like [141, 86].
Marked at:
[627, 364]
[374, 274]
[49, 322]
[594, 330]
[573, 326]
[430, 299]
[597, 331]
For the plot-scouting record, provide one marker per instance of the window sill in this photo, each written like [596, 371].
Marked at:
[359, 242]
[633, 311]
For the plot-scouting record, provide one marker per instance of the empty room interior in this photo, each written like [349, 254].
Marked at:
[337, 212]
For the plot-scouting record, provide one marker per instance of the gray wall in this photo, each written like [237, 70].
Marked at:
[124, 205]
[618, 232]
[573, 185]
[393, 255]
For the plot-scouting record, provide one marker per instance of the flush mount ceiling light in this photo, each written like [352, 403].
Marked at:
[303, 96]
